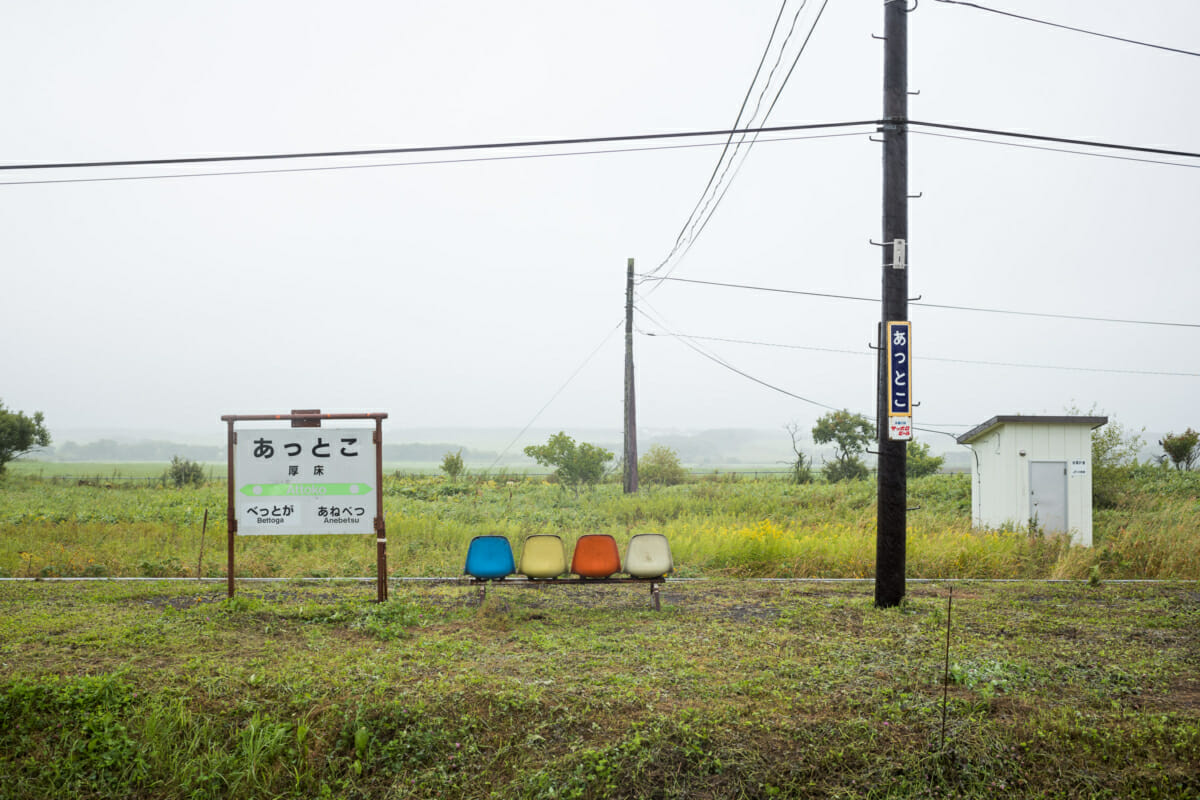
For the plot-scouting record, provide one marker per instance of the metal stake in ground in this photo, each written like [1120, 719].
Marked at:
[200, 560]
[946, 672]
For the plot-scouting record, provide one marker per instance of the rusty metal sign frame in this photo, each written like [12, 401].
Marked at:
[310, 418]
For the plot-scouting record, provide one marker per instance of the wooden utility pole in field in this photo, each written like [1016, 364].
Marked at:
[891, 509]
[631, 475]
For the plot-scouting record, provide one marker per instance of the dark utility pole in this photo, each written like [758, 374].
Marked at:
[892, 512]
[631, 476]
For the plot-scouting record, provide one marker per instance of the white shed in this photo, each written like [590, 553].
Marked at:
[1033, 469]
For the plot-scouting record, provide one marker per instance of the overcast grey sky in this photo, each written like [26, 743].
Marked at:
[466, 294]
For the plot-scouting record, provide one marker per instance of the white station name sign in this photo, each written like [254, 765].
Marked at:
[305, 481]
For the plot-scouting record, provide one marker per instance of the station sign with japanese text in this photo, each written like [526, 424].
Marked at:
[305, 481]
[899, 343]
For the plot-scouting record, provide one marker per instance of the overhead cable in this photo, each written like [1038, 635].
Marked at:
[557, 392]
[722, 362]
[695, 225]
[338, 167]
[1057, 150]
[575, 141]
[1058, 139]
[639, 137]
[1070, 27]
[979, 309]
[723, 185]
[729, 140]
[934, 358]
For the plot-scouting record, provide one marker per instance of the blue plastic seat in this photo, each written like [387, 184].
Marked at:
[489, 558]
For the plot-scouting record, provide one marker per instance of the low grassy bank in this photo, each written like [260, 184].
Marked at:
[734, 689]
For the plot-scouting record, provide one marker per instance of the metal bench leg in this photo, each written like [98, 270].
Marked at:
[654, 596]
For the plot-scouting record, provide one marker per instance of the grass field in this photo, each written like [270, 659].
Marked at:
[52, 527]
[738, 688]
[735, 689]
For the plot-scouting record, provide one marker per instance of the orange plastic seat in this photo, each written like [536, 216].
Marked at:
[648, 556]
[543, 556]
[596, 556]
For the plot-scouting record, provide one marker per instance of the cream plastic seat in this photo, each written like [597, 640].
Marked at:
[648, 556]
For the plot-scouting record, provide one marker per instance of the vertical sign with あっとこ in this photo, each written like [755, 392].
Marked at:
[899, 343]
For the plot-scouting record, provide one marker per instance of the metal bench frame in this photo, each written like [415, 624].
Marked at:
[521, 580]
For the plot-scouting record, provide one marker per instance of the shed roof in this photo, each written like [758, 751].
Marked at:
[979, 431]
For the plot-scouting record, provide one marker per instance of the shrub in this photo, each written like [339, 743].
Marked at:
[20, 434]
[574, 464]
[801, 467]
[846, 469]
[183, 472]
[850, 434]
[1182, 448]
[660, 465]
[1114, 455]
[918, 461]
[452, 465]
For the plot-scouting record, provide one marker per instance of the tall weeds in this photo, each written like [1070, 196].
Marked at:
[752, 528]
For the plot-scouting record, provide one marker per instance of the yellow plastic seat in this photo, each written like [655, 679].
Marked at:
[543, 556]
[648, 556]
[596, 556]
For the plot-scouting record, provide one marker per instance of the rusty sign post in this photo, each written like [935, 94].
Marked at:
[306, 480]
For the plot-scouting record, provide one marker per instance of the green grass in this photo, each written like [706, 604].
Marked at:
[734, 689]
[99, 471]
[726, 527]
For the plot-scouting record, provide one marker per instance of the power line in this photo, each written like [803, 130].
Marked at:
[796, 60]
[925, 305]
[564, 154]
[1057, 150]
[640, 137]
[1070, 28]
[728, 140]
[778, 60]
[286, 170]
[1058, 139]
[935, 358]
[649, 277]
[1047, 315]
[557, 392]
[562, 143]
[1065, 368]
[715, 200]
[722, 362]
[811, 348]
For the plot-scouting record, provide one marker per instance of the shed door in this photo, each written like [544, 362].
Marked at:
[1048, 494]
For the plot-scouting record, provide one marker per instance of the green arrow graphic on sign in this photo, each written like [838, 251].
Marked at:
[304, 489]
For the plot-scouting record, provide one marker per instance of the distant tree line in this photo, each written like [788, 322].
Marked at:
[112, 450]
[432, 453]
[154, 450]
